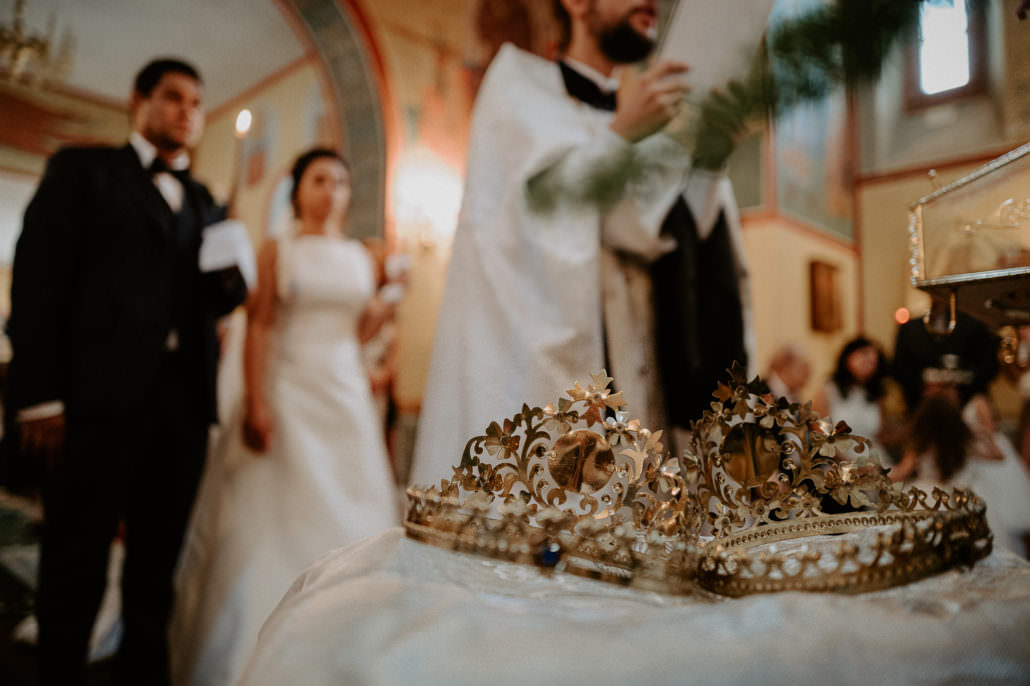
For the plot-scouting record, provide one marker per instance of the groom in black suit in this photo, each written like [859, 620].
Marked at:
[113, 376]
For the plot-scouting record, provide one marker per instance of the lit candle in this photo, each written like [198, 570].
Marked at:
[243, 121]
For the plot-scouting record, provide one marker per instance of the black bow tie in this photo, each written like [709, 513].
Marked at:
[159, 166]
[585, 90]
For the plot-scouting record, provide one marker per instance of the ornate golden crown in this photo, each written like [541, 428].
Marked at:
[580, 489]
[604, 502]
[764, 471]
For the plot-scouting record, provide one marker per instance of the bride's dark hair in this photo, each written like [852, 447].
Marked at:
[301, 165]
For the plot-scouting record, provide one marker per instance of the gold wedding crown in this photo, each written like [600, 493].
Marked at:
[749, 506]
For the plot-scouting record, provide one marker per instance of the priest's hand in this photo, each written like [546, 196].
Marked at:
[649, 100]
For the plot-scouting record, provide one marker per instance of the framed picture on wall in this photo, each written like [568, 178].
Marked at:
[824, 296]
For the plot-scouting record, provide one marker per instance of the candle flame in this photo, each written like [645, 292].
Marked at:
[243, 121]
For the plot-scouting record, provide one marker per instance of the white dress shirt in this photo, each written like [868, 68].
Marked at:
[169, 186]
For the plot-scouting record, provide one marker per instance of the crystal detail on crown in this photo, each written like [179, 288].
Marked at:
[582, 489]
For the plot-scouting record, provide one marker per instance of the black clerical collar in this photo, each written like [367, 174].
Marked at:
[585, 89]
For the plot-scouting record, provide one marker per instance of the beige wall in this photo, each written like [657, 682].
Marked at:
[426, 56]
[779, 255]
[433, 57]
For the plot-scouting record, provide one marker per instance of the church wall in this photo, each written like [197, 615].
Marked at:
[433, 58]
[779, 253]
[893, 137]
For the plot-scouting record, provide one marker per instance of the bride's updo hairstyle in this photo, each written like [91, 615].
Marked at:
[301, 165]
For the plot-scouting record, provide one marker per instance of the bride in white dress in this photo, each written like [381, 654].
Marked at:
[314, 474]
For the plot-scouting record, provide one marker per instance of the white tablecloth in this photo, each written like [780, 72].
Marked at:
[390, 610]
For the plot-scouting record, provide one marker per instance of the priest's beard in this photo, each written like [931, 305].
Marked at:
[620, 42]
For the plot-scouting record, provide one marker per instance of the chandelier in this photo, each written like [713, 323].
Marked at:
[31, 57]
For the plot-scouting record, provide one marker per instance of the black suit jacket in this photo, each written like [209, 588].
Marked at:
[92, 299]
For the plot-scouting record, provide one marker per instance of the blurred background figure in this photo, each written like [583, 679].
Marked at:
[313, 474]
[789, 372]
[950, 446]
[856, 391]
[967, 358]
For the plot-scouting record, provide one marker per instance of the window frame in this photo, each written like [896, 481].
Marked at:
[916, 99]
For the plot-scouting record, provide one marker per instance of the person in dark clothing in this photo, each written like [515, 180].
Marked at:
[967, 358]
[112, 380]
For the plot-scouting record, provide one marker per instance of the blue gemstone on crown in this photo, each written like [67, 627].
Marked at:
[549, 554]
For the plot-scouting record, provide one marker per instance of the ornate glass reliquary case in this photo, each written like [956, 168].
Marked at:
[970, 241]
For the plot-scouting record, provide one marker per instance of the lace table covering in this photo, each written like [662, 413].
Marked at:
[390, 610]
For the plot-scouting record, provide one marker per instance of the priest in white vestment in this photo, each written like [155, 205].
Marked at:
[648, 283]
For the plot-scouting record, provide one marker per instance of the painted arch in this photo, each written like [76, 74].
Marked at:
[339, 34]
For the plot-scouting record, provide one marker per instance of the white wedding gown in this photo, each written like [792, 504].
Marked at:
[325, 481]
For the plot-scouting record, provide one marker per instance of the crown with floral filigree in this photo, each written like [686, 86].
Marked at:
[578, 488]
[768, 475]
[747, 507]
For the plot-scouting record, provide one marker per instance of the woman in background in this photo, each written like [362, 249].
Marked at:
[313, 474]
[856, 390]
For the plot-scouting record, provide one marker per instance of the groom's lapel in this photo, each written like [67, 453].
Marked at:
[141, 186]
